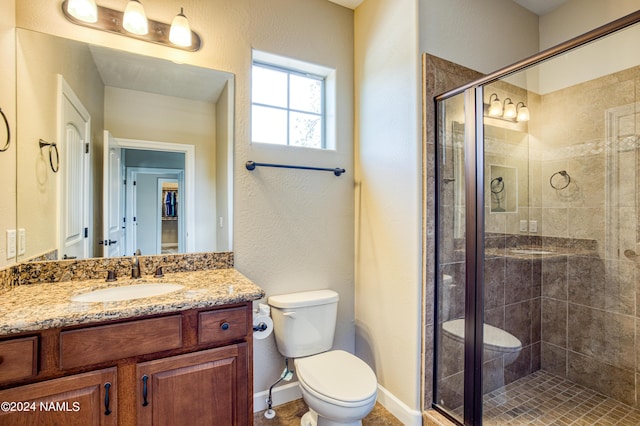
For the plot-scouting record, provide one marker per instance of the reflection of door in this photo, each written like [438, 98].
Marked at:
[74, 175]
[112, 202]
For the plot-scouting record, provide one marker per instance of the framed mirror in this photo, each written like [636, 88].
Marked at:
[105, 138]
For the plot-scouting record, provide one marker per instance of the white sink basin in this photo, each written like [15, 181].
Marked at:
[126, 292]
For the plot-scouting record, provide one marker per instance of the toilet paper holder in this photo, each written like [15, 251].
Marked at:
[260, 327]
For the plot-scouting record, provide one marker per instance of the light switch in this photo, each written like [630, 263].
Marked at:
[523, 226]
[533, 226]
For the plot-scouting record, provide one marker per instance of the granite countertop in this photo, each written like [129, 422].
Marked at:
[47, 305]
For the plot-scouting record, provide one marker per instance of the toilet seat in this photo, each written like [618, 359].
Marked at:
[337, 377]
[494, 338]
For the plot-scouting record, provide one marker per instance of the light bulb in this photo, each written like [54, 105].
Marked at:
[84, 10]
[496, 108]
[180, 33]
[135, 20]
[509, 109]
[523, 113]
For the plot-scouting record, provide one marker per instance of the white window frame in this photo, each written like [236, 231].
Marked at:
[328, 97]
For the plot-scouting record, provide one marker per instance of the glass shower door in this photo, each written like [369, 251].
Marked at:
[450, 250]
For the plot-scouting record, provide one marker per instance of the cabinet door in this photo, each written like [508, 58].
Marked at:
[86, 399]
[201, 388]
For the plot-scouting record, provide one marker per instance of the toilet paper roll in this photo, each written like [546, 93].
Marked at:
[262, 326]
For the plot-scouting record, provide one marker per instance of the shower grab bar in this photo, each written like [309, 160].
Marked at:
[251, 165]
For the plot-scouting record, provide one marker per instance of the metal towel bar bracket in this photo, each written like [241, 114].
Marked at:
[251, 165]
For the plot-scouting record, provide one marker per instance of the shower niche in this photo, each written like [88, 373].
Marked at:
[503, 189]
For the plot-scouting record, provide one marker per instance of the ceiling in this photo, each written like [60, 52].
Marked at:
[143, 73]
[539, 7]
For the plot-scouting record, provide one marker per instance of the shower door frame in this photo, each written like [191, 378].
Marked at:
[474, 214]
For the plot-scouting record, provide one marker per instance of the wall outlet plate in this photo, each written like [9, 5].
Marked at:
[22, 241]
[533, 226]
[11, 243]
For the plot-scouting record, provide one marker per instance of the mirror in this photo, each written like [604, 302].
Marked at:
[142, 147]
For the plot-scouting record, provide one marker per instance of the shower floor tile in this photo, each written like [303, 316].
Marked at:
[544, 399]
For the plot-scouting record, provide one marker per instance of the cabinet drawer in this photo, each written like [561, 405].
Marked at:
[225, 324]
[116, 341]
[18, 358]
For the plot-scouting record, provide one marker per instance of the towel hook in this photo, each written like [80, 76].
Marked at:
[565, 175]
[52, 148]
[6, 123]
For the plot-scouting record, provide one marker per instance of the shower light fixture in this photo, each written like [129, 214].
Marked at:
[133, 23]
[506, 110]
[522, 112]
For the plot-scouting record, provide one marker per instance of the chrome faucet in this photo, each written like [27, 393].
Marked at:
[135, 268]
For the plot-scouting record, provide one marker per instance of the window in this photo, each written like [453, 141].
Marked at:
[288, 104]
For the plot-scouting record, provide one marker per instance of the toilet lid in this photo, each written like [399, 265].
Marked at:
[494, 337]
[337, 375]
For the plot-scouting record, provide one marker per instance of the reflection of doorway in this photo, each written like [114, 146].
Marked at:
[156, 155]
[73, 181]
[145, 211]
[169, 232]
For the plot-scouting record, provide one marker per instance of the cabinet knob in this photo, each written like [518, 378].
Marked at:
[225, 325]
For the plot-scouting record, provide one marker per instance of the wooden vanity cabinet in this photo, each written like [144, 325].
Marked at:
[192, 367]
[79, 399]
[214, 382]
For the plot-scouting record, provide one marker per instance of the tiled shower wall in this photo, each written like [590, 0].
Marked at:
[582, 305]
[590, 303]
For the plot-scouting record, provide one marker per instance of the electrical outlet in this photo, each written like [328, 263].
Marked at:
[523, 226]
[11, 243]
[533, 226]
[22, 241]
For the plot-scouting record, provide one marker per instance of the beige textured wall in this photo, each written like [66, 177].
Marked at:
[482, 35]
[388, 196]
[8, 105]
[293, 230]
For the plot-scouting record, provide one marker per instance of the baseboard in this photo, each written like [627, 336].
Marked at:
[399, 409]
[280, 395]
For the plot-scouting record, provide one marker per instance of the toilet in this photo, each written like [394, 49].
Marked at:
[496, 343]
[339, 388]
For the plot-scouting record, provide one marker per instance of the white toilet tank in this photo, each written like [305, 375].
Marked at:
[304, 323]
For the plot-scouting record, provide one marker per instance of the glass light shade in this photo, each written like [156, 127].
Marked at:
[496, 108]
[135, 20]
[509, 110]
[180, 33]
[523, 114]
[84, 10]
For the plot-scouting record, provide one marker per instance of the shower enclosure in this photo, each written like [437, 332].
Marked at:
[537, 315]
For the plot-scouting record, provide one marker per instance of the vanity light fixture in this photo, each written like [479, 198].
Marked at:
[134, 19]
[506, 110]
[84, 10]
[180, 33]
[133, 23]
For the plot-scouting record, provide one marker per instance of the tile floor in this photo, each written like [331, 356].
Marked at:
[289, 415]
[544, 399]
